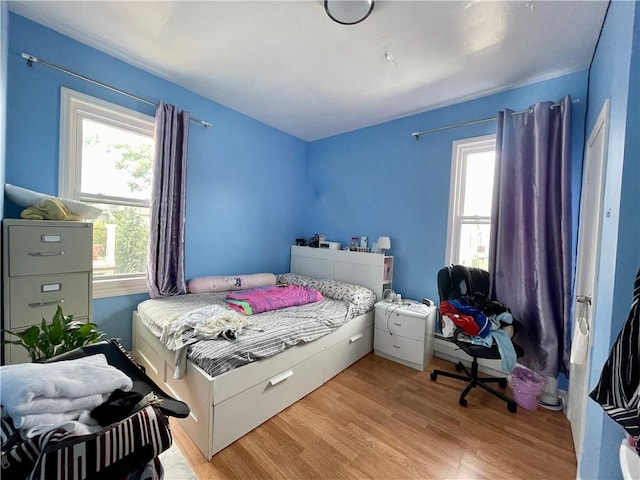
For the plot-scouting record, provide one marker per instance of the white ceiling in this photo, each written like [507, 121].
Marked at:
[287, 64]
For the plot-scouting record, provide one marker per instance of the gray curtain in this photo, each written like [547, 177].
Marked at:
[165, 259]
[530, 258]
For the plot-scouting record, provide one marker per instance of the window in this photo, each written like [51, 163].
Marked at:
[470, 201]
[106, 153]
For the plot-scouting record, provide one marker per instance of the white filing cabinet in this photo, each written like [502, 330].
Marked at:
[45, 264]
[404, 332]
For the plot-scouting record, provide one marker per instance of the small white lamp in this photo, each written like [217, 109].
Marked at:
[384, 243]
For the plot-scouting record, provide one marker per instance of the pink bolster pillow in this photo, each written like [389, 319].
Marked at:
[224, 283]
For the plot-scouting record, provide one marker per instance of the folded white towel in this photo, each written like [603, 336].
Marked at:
[28, 388]
[27, 422]
[73, 428]
[71, 408]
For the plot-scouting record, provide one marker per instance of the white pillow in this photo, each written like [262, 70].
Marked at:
[224, 283]
[27, 198]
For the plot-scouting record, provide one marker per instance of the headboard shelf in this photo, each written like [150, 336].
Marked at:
[371, 270]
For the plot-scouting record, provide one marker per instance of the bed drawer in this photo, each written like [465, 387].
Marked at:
[241, 413]
[350, 350]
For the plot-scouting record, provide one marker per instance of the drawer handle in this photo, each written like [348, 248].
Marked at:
[281, 377]
[397, 324]
[46, 304]
[46, 254]
[355, 338]
[396, 346]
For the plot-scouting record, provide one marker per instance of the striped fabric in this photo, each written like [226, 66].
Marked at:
[112, 453]
[19, 455]
[618, 390]
[271, 332]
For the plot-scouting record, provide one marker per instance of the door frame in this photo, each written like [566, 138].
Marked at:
[601, 125]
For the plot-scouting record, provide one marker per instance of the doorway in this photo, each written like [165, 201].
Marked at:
[589, 236]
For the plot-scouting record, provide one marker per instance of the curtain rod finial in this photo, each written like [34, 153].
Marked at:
[30, 59]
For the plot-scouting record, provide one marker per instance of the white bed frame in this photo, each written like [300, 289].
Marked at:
[226, 407]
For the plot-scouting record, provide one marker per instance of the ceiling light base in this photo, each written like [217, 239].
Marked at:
[348, 12]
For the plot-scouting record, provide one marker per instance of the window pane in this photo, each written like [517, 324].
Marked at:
[474, 245]
[120, 241]
[115, 162]
[478, 183]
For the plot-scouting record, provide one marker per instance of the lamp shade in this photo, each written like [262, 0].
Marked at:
[384, 243]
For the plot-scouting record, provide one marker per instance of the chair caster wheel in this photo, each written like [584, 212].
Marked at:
[512, 407]
[433, 376]
[503, 383]
[463, 402]
[458, 367]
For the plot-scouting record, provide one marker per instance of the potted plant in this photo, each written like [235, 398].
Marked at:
[63, 334]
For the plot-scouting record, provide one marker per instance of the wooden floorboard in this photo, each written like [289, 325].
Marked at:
[382, 420]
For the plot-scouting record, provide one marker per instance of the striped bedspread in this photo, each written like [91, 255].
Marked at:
[271, 332]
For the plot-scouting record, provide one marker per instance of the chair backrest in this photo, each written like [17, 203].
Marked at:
[457, 281]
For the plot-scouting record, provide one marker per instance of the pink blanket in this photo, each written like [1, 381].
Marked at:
[263, 299]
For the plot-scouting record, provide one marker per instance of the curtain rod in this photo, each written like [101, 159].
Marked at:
[475, 122]
[32, 59]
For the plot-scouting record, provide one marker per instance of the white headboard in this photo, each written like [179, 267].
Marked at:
[371, 270]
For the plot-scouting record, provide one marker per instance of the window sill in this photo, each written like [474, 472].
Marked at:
[116, 287]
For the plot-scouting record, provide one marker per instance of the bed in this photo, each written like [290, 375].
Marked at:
[228, 401]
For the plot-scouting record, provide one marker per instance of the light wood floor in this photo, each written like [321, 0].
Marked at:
[381, 420]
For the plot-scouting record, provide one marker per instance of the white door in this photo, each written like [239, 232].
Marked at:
[591, 206]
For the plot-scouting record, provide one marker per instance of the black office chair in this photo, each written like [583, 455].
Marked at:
[459, 281]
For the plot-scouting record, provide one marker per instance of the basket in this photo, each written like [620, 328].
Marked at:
[526, 385]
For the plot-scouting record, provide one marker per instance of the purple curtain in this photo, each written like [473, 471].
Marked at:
[165, 259]
[530, 256]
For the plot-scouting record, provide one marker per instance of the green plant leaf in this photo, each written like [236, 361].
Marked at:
[61, 335]
[30, 336]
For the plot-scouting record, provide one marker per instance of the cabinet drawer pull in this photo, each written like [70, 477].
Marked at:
[355, 338]
[46, 254]
[281, 377]
[396, 346]
[397, 324]
[46, 304]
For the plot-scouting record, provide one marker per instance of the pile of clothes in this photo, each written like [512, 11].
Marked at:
[46, 403]
[49, 209]
[39, 396]
[482, 322]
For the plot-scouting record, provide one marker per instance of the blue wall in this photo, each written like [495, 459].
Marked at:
[250, 191]
[381, 181]
[4, 49]
[244, 179]
[614, 75]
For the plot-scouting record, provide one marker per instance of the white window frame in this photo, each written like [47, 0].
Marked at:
[73, 107]
[460, 151]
